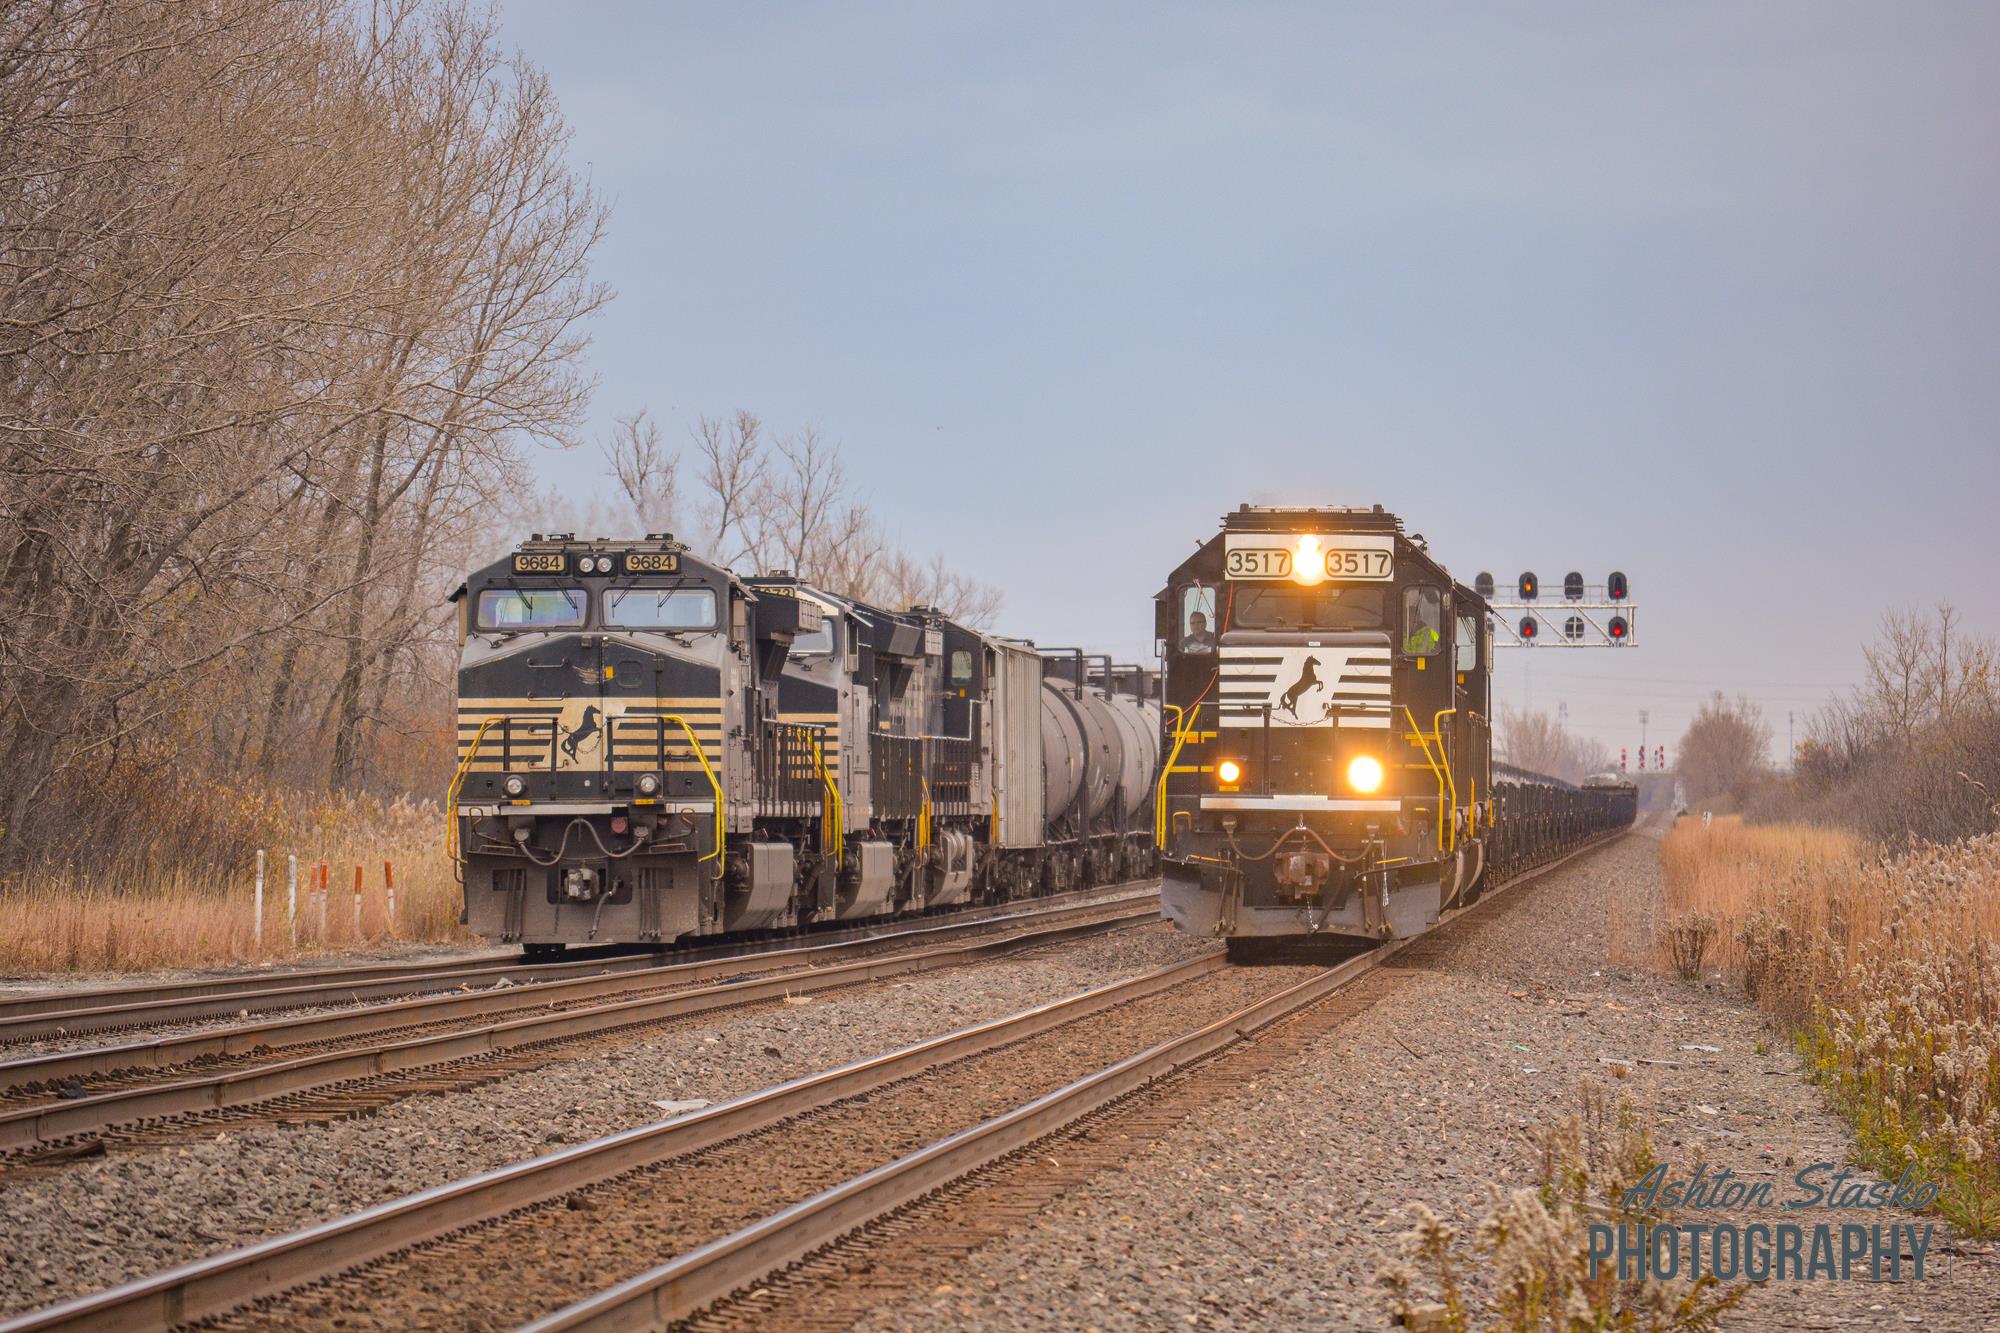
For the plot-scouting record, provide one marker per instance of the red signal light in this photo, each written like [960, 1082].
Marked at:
[1618, 628]
[1529, 629]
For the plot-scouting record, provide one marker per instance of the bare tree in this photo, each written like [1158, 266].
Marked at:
[805, 504]
[1531, 739]
[732, 472]
[290, 282]
[1900, 688]
[648, 475]
[1725, 748]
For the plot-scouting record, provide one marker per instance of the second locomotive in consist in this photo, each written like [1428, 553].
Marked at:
[652, 747]
[1329, 755]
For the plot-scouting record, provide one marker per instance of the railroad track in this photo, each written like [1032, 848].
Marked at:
[115, 1008]
[57, 1107]
[789, 1178]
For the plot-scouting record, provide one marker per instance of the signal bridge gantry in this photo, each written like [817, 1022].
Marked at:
[1595, 615]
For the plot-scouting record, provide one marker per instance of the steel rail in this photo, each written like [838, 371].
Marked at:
[167, 1052]
[51, 1122]
[234, 1278]
[27, 1017]
[691, 1282]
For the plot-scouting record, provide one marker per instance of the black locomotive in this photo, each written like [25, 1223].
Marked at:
[652, 747]
[1328, 746]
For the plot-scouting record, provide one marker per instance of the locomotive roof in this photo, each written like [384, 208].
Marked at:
[570, 543]
[1320, 518]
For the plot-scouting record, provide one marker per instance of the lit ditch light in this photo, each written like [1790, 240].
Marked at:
[1364, 774]
[1228, 774]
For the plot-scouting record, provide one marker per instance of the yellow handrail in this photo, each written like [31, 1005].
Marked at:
[714, 783]
[1182, 729]
[1436, 772]
[458, 785]
[924, 818]
[833, 822]
[1444, 757]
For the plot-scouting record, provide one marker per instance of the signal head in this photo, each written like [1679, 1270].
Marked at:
[1482, 584]
[1529, 629]
[1619, 629]
[1616, 587]
[1529, 586]
[1573, 628]
[1573, 586]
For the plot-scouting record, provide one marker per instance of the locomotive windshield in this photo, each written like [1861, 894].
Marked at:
[532, 608]
[1278, 606]
[660, 608]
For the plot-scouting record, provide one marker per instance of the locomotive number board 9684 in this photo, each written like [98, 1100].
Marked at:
[1308, 558]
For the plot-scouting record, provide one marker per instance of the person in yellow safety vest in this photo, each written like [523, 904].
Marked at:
[1422, 642]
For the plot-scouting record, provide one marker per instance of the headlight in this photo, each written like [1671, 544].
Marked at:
[1229, 772]
[1364, 773]
[588, 564]
[514, 785]
[649, 784]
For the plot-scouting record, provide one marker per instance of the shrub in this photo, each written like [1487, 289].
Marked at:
[1532, 1246]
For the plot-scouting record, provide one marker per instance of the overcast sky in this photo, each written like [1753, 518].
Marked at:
[1706, 293]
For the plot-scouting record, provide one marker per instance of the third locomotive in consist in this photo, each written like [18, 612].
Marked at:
[1328, 748]
[652, 747]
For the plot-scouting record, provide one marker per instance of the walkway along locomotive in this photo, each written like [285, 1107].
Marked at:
[1329, 753]
[652, 747]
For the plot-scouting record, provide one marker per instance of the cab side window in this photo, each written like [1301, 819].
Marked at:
[1423, 621]
[1197, 619]
[1465, 644]
[961, 667]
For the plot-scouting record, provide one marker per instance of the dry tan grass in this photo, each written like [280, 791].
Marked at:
[1730, 871]
[62, 920]
[1886, 964]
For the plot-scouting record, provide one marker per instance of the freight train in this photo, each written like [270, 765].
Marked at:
[651, 747]
[1329, 767]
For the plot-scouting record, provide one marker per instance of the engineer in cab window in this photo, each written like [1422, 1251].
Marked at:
[1197, 605]
[1423, 620]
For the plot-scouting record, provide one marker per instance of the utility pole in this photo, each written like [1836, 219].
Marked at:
[1791, 751]
[1642, 731]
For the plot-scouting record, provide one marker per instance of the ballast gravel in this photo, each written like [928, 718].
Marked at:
[97, 1223]
[1275, 1209]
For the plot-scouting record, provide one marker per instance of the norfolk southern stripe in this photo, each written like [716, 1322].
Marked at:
[1344, 685]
